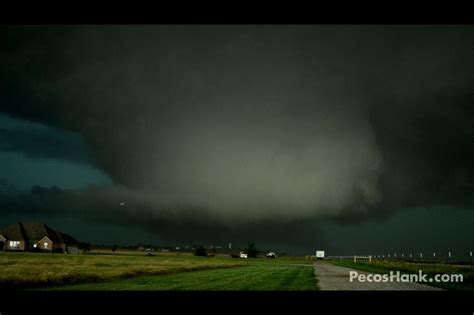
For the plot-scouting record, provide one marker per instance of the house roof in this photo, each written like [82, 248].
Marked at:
[33, 231]
[36, 231]
[68, 239]
[14, 232]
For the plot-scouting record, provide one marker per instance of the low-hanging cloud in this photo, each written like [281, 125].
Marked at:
[250, 124]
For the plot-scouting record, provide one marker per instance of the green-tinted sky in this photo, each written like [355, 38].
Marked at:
[348, 138]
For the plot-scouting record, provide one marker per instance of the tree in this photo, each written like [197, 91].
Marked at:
[84, 246]
[200, 251]
[114, 248]
[252, 250]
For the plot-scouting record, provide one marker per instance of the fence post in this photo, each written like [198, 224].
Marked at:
[355, 259]
[470, 254]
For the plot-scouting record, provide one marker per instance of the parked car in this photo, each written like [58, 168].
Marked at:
[271, 255]
[243, 255]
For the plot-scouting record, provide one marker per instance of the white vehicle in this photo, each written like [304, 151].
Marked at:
[319, 254]
[243, 255]
[271, 255]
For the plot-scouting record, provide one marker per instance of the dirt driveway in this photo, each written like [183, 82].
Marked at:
[331, 277]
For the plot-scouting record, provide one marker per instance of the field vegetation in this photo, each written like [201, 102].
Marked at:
[29, 270]
[134, 270]
[250, 277]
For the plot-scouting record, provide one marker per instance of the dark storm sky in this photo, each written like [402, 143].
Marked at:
[348, 138]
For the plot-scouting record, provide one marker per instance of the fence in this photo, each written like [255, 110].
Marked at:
[436, 256]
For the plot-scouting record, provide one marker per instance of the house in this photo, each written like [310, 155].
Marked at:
[32, 236]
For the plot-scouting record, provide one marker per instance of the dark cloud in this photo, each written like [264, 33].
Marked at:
[254, 124]
[47, 143]
[114, 205]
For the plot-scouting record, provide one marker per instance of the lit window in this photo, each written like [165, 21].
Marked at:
[45, 245]
[14, 243]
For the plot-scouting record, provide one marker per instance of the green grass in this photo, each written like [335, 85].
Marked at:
[30, 270]
[132, 270]
[405, 267]
[258, 276]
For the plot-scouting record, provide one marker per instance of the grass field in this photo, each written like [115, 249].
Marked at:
[405, 267]
[253, 277]
[165, 271]
[26, 270]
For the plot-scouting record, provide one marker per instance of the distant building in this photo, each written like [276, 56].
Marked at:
[34, 236]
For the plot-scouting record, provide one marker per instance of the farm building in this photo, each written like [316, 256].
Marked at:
[34, 236]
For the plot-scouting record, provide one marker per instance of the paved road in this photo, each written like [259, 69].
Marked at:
[331, 277]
